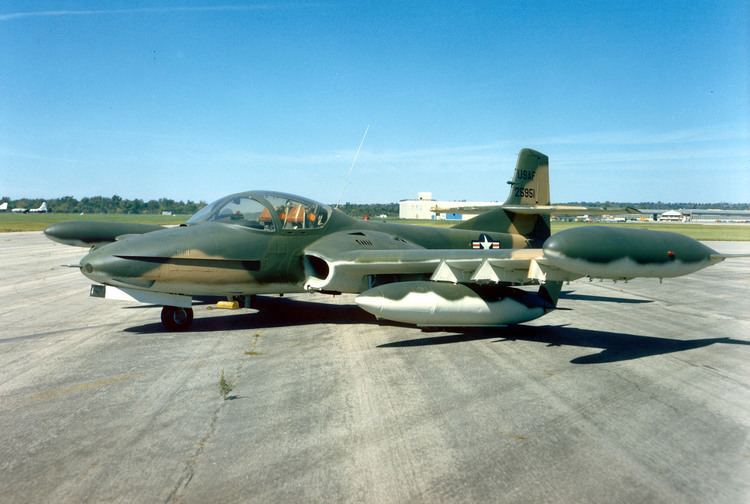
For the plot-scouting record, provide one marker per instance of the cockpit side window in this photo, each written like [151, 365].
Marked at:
[295, 214]
[266, 211]
[245, 211]
[239, 210]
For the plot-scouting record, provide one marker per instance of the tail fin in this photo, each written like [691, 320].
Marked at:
[530, 184]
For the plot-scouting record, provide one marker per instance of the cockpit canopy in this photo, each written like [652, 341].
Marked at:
[265, 210]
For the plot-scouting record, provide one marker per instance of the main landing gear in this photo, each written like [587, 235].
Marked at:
[176, 319]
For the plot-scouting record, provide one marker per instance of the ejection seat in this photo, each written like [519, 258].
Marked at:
[265, 219]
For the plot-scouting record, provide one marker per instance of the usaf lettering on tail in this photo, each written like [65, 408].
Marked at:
[265, 242]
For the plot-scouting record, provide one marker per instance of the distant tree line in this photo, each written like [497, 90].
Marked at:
[359, 210]
[117, 205]
[107, 205]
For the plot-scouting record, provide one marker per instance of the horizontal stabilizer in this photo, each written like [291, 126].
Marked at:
[541, 210]
[569, 210]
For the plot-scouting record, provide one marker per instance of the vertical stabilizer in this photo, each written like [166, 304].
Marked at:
[530, 184]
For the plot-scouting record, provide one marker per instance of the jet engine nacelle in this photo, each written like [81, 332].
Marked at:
[620, 253]
[343, 274]
[442, 304]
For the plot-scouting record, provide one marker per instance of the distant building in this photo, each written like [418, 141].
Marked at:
[672, 216]
[702, 215]
[717, 215]
[424, 207]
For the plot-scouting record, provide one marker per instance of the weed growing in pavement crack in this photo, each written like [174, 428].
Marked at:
[253, 344]
[225, 386]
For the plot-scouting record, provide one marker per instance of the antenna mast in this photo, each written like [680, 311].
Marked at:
[354, 161]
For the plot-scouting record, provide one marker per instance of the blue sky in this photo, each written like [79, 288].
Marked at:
[632, 101]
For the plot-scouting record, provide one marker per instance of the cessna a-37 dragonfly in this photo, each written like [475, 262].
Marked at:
[501, 267]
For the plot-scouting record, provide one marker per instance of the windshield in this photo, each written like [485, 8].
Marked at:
[202, 214]
[265, 211]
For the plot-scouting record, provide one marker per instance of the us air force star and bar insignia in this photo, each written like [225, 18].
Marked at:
[485, 243]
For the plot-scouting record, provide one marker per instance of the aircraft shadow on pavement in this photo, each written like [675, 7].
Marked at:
[287, 312]
[277, 312]
[607, 299]
[614, 346]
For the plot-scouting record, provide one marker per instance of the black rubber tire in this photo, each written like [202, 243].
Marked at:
[176, 319]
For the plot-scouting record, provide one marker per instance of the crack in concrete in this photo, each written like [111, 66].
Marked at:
[189, 471]
[175, 495]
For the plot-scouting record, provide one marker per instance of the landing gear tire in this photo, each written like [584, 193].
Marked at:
[176, 319]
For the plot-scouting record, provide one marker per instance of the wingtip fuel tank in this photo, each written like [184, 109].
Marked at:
[88, 233]
[617, 253]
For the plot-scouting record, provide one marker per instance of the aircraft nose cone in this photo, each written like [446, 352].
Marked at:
[101, 266]
[93, 266]
[114, 264]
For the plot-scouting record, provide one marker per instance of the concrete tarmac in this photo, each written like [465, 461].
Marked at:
[637, 392]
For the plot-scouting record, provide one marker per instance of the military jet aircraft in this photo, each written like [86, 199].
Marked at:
[40, 209]
[501, 267]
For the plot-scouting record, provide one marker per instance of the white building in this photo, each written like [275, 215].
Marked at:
[424, 208]
[672, 216]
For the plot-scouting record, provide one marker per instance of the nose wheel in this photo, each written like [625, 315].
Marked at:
[176, 319]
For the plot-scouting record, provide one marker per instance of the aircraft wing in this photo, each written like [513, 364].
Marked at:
[350, 271]
[542, 209]
[589, 251]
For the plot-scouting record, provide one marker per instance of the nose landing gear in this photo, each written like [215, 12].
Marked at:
[176, 319]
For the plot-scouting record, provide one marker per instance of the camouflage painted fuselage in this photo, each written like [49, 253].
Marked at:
[475, 273]
[225, 259]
